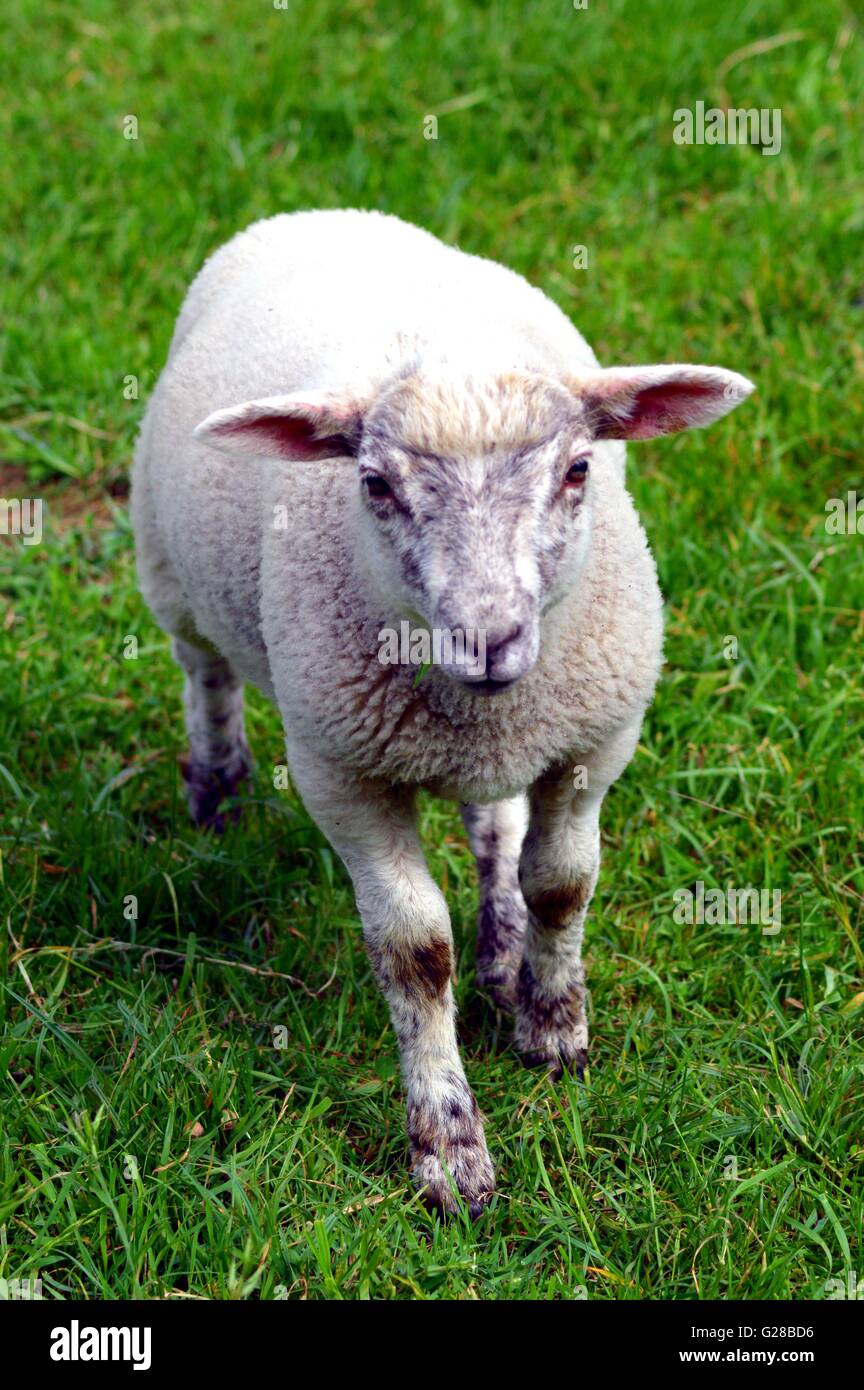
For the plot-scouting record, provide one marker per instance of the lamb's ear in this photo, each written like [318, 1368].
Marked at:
[640, 402]
[305, 425]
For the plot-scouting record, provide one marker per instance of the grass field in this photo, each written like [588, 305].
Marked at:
[156, 1141]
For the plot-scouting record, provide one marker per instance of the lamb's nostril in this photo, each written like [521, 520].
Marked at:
[497, 641]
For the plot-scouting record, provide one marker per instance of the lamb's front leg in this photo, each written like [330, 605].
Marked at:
[406, 927]
[558, 873]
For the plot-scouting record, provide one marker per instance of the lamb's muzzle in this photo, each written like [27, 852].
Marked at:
[506, 640]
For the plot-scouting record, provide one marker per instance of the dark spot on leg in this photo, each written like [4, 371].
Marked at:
[556, 908]
[420, 971]
[218, 680]
[433, 966]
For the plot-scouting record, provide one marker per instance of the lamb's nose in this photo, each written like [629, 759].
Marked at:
[498, 645]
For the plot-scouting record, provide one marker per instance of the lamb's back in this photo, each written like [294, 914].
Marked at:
[323, 298]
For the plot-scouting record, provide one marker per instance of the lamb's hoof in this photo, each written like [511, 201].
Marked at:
[470, 1172]
[551, 1032]
[556, 1064]
[208, 787]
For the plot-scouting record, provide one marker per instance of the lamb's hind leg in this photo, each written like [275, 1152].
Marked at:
[219, 759]
[496, 833]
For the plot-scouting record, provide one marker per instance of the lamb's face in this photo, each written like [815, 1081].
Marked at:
[477, 502]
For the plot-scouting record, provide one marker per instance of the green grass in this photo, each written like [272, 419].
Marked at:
[122, 1033]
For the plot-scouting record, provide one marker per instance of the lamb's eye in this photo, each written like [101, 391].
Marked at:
[576, 473]
[376, 486]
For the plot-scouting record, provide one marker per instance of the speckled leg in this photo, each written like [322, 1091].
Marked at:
[558, 874]
[406, 927]
[219, 759]
[496, 833]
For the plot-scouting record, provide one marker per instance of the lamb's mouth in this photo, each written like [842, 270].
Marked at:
[488, 686]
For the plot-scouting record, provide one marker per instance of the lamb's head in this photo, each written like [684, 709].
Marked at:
[476, 495]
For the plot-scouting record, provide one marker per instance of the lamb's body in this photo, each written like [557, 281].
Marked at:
[504, 498]
[318, 299]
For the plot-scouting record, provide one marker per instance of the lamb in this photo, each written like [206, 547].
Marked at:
[358, 427]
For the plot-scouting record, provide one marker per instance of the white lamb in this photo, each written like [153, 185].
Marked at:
[357, 427]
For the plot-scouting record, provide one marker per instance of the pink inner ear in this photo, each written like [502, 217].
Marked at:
[287, 436]
[671, 406]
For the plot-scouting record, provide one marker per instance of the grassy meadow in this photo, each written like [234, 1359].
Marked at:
[200, 1090]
